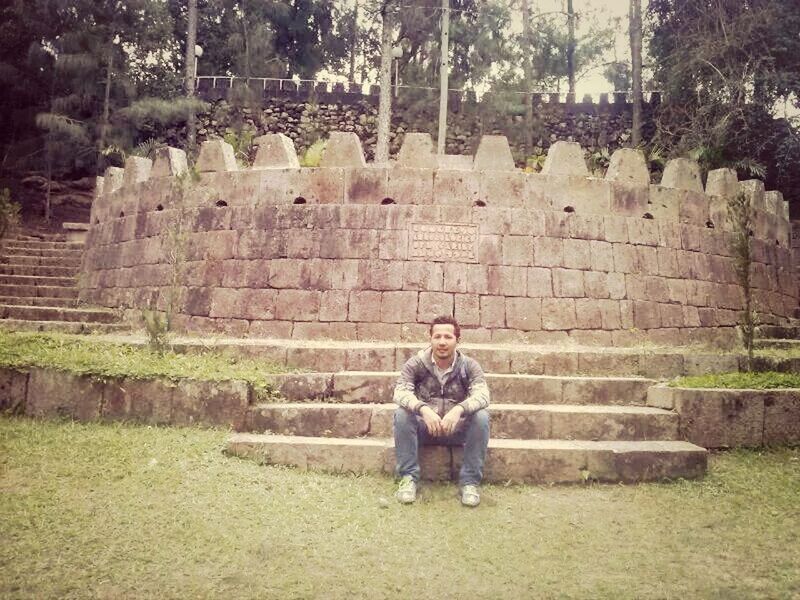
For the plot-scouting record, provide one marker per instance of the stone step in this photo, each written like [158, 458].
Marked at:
[367, 387]
[38, 270]
[13, 250]
[528, 461]
[32, 301]
[54, 313]
[29, 280]
[519, 421]
[776, 344]
[333, 356]
[35, 244]
[40, 261]
[778, 332]
[61, 326]
[39, 291]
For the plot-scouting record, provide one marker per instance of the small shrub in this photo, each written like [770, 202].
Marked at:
[741, 217]
[242, 142]
[157, 327]
[599, 161]
[9, 212]
[313, 156]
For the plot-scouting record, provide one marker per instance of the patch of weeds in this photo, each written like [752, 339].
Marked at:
[769, 380]
[103, 360]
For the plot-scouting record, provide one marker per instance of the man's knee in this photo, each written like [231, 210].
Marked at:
[480, 420]
[404, 420]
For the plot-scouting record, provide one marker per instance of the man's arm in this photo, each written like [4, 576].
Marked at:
[478, 396]
[404, 395]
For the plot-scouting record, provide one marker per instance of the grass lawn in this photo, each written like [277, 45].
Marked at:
[113, 511]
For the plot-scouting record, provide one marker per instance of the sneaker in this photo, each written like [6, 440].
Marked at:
[407, 490]
[470, 495]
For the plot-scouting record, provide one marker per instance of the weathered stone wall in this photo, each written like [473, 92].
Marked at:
[592, 125]
[357, 251]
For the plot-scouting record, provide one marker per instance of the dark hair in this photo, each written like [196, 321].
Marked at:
[446, 320]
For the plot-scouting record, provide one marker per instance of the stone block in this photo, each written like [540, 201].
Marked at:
[524, 313]
[774, 202]
[720, 418]
[364, 306]
[628, 167]
[723, 183]
[137, 170]
[169, 162]
[457, 188]
[504, 188]
[112, 181]
[753, 189]
[558, 314]
[565, 158]
[616, 229]
[434, 304]
[297, 305]
[410, 186]
[275, 150]
[694, 209]
[602, 256]
[143, 401]
[343, 149]
[467, 309]
[423, 276]
[454, 162]
[398, 307]
[518, 250]
[333, 305]
[540, 282]
[216, 156]
[781, 417]
[682, 174]
[643, 231]
[219, 403]
[548, 252]
[13, 391]
[579, 195]
[630, 201]
[646, 315]
[493, 154]
[568, 283]
[506, 281]
[587, 227]
[610, 317]
[366, 186]
[577, 254]
[493, 311]
[665, 204]
[417, 151]
[54, 393]
[596, 285]
[587, 312]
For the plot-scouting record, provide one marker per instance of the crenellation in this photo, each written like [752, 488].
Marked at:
[169, 162]
[682, 174]
[216, 156]
[565, 159]
[493, 154]
[628, 167]
[417, 151]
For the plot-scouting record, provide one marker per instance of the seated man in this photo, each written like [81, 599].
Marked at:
[442, 398]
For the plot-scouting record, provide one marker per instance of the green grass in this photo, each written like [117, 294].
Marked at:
[744, 381]
[106, 360]
[113, 511]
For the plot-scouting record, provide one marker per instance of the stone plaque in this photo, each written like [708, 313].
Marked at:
[443, 242]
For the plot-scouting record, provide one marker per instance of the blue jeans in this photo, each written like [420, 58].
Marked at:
[410, 431]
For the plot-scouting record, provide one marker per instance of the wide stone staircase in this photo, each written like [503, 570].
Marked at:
[556, 428]
[38, 286]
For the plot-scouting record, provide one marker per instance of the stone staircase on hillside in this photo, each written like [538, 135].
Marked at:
[545, 429]
[38, 288]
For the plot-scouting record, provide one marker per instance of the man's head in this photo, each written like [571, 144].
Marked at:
[444, 337]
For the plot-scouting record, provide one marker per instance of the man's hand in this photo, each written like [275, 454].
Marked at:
[433, 422]
[450, 420]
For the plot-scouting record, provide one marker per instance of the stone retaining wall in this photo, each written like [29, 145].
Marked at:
[356, 251]
[716, 418]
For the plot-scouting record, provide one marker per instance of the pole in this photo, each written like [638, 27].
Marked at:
[443, 77]
[385, 100]
[191, 75]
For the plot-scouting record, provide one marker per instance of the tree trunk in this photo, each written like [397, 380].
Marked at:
[191, 62]
[444, 74]
[527, 65]
[635, 15]
[101, 140]
[571, 48]
[246, 38]
[353, 44]
[385, 101]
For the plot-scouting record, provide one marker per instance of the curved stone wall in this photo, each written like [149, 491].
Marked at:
[356, 251]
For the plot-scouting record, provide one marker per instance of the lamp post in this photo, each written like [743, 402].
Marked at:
[397, 53]
[198, 52]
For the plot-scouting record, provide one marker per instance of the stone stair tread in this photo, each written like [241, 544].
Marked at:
[501, 376]
[36, 280]
[558, 408]
[530, 461]
[38, 291]
[53, 302]
[65, 309]
[38, 270]
[76, 327]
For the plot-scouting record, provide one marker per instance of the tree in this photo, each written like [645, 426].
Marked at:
[191, 42]
[635, 27]
[385, 101]
[722, 65]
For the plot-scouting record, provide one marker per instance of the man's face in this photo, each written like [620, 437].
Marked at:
[443, 341]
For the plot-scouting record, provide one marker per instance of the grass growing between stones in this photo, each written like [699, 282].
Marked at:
[744, 381]
[104, 359]
[113, 511]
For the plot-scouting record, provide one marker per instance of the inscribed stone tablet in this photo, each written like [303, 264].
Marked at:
[443, 242]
